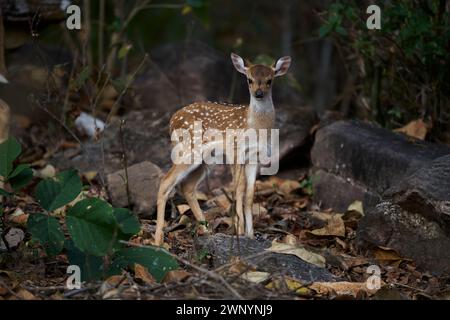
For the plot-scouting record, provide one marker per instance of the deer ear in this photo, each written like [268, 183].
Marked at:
[238, 63]
[282, 66]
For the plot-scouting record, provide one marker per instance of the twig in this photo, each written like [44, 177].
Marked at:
[209, 273]
[119, 98]
[125, 162]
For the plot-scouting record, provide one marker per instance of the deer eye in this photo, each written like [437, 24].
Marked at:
[269, 82]
[250, 81]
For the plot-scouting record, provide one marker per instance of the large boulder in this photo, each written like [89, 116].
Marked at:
[364, 160]
[224, 247]
[143, 184]
[414, 217]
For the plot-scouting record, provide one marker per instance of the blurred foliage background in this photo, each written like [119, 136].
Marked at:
[391, 76]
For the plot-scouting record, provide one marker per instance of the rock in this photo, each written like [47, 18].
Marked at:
[414, 218]
[143, 182]
[14, 237]
[333, 191]
[369, 156]
[223, 247]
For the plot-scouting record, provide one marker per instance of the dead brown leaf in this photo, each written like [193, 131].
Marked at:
[183, 208]
[417, 129]
[26, 295]
[335, 227]
[176, 276]
[342, 288]
[141, 272]
[384, 254]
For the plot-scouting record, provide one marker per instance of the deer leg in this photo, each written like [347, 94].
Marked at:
[188, 189]
[176, 174]
[239, 189]
[250, 175]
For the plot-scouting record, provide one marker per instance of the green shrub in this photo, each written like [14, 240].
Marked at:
[95, 229]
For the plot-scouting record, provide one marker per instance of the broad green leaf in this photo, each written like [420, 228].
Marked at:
[91, 267]
[55, 193]
[157, 260]
[17, 170]
[128, 223]
[9, 151]
[93, 227]
[22, 178]
[5, 193]
[47, 231]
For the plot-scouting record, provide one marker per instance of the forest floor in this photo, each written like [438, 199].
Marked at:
[285, 214]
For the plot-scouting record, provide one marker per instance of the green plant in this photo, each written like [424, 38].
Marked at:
[17, 176]
[95, 230]
[403, 67]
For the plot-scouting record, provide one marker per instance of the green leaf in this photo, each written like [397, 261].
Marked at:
[91, 267]
[93, 227]
[9, 151]
[5, 193]
[55, 193]
[47, 231]
[22, 178]
[124, 51]
[128, 223]
[17, 170]
[157, 260]
[325, 30]
[81, 79]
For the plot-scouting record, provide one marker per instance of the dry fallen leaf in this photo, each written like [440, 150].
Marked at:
[384, 254]
[47, 172]
[356, 206]
[26, 295]
[176, 275]
[239, 266]
[18, 217]
[228, 221]
[141, 272]
[90, 175]
[300, 252]
[335, 227]
[287, 186]
[341, 288]
[256, 276]
[221, 201]
[417, 129]
[290, 239]
[182, 208]
[258, 210]
[288, 283]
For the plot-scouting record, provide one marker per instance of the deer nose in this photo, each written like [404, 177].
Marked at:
[259, 93]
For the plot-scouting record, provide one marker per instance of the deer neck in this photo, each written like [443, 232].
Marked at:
[261, 112]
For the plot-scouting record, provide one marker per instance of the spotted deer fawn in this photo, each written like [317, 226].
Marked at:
[259, 114]
[4, 129]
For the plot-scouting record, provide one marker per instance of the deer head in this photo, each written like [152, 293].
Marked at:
[260, 77]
